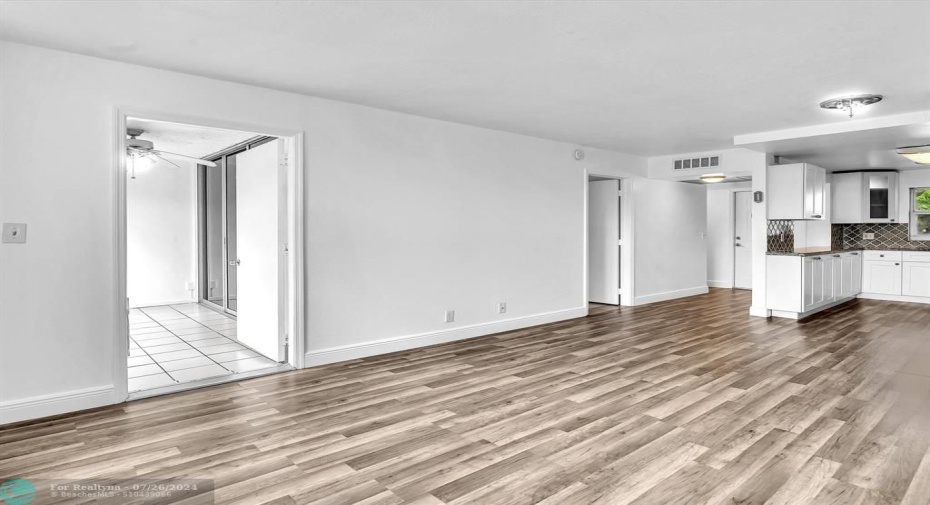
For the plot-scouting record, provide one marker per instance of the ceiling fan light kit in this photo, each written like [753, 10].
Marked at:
[143, 151]
[851, 103]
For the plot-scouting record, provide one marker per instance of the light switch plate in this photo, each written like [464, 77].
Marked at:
[868, 236]
[14, 233]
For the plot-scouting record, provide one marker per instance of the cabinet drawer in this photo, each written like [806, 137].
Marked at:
[920, 256]
[882, 255]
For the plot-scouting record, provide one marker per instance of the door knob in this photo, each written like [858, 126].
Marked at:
[234, 263]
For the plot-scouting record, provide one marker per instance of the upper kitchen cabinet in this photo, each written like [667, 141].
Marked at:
[796, 191]
[865, 197]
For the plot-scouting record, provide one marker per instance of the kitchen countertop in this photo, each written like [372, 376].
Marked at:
[812, 251]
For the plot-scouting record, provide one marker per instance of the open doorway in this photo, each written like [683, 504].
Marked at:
[609, 278]
[206, 255]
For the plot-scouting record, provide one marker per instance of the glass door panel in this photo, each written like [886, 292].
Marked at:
[878, 196]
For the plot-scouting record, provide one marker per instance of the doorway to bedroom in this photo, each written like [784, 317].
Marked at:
[206, 256]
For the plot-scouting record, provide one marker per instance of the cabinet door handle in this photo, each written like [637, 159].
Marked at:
[836, 255]
[818, 258]
[855, 254]
[896, 264]
[818, 216]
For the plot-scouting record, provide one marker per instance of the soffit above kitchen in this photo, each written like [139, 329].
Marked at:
[644, 78]
[857, 144]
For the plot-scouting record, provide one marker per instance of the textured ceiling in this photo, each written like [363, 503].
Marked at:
[644, 78]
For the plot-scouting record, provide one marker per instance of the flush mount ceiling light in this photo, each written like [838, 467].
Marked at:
[712, 177]
[850, 103]
[917, 154]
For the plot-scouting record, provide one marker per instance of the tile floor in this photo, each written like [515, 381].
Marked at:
[171, 344]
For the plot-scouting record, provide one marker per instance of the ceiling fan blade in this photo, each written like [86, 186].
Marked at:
[191, 158]
[158, 154]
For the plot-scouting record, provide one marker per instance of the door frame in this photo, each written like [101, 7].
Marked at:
[627, 280]
[295, 264]
[732, 227]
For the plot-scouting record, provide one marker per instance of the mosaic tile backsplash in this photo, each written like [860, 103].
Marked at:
[781, 236]
[887, 236]
[836, 237]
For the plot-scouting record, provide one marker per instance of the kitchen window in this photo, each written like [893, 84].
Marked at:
[920, 214]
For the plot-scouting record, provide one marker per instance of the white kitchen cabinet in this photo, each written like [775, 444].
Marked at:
[864, 197]
[915, 279]
[812, 282]
[881, 277]
[915, 274]
[796, 191]
[799, 286]
[855, 266]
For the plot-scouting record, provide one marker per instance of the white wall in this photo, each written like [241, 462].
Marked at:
[759, 163]
[405, 217]
[670, 255]
[161, 212]
[720, 215]
[734, 162]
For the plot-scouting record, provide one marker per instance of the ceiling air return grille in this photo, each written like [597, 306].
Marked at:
[702, 162]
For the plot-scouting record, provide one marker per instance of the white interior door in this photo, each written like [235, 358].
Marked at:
[261, 228]
[604, 242]
[742, 227]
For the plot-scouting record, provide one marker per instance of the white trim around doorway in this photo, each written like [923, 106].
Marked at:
[294, 310]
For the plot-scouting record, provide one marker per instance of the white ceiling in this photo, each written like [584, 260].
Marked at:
[645, 78]
[189, 140]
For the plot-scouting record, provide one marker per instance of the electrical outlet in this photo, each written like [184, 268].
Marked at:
[450, 316]
[14, 233]
[868, 236]
[502, 308]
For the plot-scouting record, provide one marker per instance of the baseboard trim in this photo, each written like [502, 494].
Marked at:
[670, 295]
[895, 298]
[405, 343]
[14, 411]
[720, 284]
[759, 312]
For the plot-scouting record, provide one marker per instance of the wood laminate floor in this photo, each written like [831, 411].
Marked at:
[683, 402]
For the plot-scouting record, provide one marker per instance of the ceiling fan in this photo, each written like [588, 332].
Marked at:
[145, 149]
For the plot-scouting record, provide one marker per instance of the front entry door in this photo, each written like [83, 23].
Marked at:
[742, 254]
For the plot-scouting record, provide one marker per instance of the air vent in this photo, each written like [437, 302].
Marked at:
[702, 162]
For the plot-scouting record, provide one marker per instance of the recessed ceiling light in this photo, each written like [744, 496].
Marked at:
[712, 177]
[850, 103]
[917, 154]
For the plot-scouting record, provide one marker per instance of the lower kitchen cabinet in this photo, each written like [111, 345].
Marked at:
[896, 275]
[882, 277]
[799, 286]
[915, 279]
